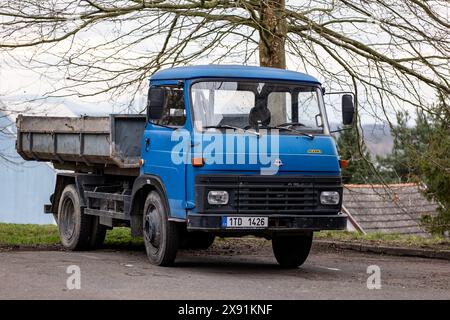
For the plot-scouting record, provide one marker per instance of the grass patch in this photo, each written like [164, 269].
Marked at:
[33, 235]
[122, 237]
[41, 235]
[28, 234]
[386, 239]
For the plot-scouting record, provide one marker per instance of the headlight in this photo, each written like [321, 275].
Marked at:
[218, 197]
[329, 197]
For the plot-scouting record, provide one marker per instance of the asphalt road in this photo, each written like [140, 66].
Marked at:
[227, 274]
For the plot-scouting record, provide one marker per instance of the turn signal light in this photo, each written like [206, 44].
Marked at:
[344, 164]
[141, 162]
[198, 162]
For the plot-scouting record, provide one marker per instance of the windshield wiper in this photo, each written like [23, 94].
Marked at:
[293, 130]
[226, 126]
[290, 124]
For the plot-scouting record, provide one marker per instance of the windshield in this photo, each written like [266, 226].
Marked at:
[249, 104]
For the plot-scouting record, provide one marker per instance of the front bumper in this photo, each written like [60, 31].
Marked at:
[277, 223]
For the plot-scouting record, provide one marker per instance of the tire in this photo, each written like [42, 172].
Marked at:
[74, 227]
[161, 236]
[197, 240]
[98, 233]
[292, 251]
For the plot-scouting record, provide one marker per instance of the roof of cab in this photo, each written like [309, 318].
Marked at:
[231, 71]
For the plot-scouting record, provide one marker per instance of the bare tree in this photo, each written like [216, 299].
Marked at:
[394, 53]
[6, 135]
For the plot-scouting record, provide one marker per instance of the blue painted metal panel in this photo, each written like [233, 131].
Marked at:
[297, 153]
[231, 71]
[294, 153]
[157, 161]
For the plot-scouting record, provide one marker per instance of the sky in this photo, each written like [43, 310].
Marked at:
[23, 89]
[21, 82]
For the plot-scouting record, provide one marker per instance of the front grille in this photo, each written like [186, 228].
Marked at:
[275, 195]
[267, 194]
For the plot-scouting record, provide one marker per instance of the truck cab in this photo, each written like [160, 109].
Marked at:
[224, 151]
[255, 152]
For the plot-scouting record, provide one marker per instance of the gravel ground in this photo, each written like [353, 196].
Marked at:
[231, 269]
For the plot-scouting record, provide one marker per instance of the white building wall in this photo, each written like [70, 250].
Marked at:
[25, 186]
[24, 189]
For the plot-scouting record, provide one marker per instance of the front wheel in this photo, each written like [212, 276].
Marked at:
[161, 236]
[292, 251]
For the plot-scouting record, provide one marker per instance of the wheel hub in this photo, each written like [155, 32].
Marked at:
[67, 219]
[152, 227]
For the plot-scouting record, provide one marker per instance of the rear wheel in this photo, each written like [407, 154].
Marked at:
[292, 251]
[74, 227]
[161, 236]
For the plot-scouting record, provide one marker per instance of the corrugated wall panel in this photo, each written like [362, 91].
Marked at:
[24, 187]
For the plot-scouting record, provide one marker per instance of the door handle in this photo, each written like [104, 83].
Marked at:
[147, 143]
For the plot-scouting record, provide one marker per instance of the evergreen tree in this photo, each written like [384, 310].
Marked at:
[401, 165]
[352, 149]
[422, 154]
[434, 165]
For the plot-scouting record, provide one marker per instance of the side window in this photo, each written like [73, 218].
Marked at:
[308, 108]
[174, 110]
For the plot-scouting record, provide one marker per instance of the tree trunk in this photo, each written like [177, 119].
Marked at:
[272, 39]
[272, 34]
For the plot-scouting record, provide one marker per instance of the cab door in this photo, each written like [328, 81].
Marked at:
[160, 141]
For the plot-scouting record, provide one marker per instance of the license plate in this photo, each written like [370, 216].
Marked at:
[245, 222]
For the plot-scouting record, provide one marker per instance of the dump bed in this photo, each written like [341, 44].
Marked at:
[71, 143]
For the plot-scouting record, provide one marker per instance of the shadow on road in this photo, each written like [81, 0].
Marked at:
[259, 264]
[253, 266]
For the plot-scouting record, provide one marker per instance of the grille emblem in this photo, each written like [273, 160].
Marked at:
[278, 163]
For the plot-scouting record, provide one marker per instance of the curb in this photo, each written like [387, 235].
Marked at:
[393, 251]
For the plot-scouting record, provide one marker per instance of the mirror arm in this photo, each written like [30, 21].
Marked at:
[341, 92]
[342, 129]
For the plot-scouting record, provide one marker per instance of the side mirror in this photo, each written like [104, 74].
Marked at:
[156, 103]
[348, 110]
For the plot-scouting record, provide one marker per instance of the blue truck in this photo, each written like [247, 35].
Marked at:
[221, 151]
